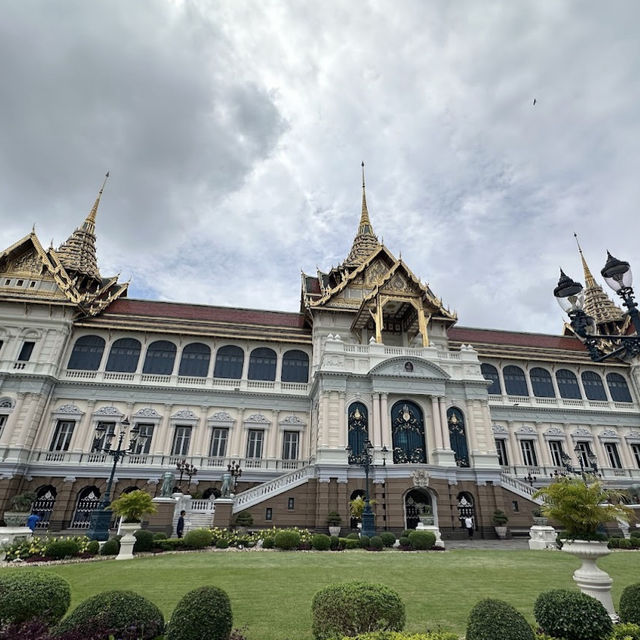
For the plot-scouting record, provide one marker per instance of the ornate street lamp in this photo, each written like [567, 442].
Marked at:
[365, 460]
[592, 468]
[570, 296]
[101, 517]
[234, 469]
[184, 467]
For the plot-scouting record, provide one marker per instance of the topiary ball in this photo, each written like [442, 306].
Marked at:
[268, 542]
[572, 615]
[352, 608]
[93, 547]
[25, 595]
[497, 620]
[422, 540]
[117, 612]
[353, 536]
[405, 542]
[287, 540]
[364, 542]
[110, 548]
[630, 604]
[321, 542]
[159, 536]
[221, 543]
[59, 549]
[388, 539]
[144, 541]
[376, 543]
[198, 539]
[350, 543]
[202, 613]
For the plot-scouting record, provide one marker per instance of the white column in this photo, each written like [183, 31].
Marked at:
[236, 438]
[342, 421]
[385, 424]
[323, 426]
[443, 423]
[374, 432]
[274, 435]
[470, 427]
[163, 440]
[437, 429]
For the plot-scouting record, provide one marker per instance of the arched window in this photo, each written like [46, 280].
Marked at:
[568, 384]
[195, 360]
[407, 429]
[160, 358]
[262, 364]
[458, 436]
[593, 387]
[87, 353]
[124, 355]
[514, 381]
[491, 373]
[541, 383]
[229, 362]
[43, 505]
[358, 429]
[618, 388]
[295, 366]
[87, 503]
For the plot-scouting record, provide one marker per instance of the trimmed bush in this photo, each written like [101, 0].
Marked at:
[24, 596]
[202, 613]
[573, 615]
[422, 540]
[399, 635]
[93, 547]
[321, 542]
[198, 538]
[406, 532]
[625, 631]
[351, 608]
[350, 543]
[118, 611]
[405, 542]
[223, 544]
[244, 519]
[144, 541]
[635, 533]
[110, 548]
[614, 543]
[269, 542]
[630, 604]
[497, 620]
[334, 543]
[353, 536]
[59, 549]
[625, 544]
[388, 539]
[364, 542]
[287, 540]
[376, 543]
[171, 544]
[159, 536]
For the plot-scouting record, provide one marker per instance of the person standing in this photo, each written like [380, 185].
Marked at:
[468, 523]
[180, 527]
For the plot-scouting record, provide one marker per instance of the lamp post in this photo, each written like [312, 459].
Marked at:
[184, 467]
[592, 460]
[365, 460]
[530, 479]
[570, 296]
[234, 469]
[101, 517]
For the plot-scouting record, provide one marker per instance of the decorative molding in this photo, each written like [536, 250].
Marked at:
[7, 403]
[221, 416]
[147, 412]
[498, 428]
[581, 432]
[554, 431]
[184, 414]
[633, 435]
[68, 410]
[527, 430]
[609, 434]
[257, 418]
[420, 478]
[111, 412]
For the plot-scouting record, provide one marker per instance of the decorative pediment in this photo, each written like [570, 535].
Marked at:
[256, 420]
[409, 368]
[184, 414]
[292, 422]
[7, 403]
[68, 410]
[498, 428]
[111, 412]
[526, 429]
[147, 412]
[609, 434]
[220, 419]
[581, 432]
[554, 431]
[633, 435]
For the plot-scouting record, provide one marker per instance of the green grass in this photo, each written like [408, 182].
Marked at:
[271, 592]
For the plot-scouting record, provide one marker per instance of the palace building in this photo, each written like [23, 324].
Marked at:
[462, 420]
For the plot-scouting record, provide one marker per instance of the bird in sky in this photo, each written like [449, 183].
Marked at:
[534, 102]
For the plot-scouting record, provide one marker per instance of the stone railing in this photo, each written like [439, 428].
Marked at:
[519, 487]
[527, 401]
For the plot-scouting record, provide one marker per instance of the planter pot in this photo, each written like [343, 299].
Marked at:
[127, 529]
[334, 531]
[428, 521]
[16, 518]
[501, 532]
[591, 579]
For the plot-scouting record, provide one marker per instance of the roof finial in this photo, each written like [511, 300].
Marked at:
[90, 223]
[365, 227]
[588, 277]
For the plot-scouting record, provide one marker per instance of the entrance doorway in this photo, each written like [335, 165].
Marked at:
[417, 504]
[466, 509]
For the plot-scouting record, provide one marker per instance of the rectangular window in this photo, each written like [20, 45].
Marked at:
[254, 443]
[583, 453]
[3, 421]
[104, 432]
[290, 445]
[291, 504]
[26, 351]
[218, 448]
[501, 448]
[142, 445]
[62, 435]
[612, 453]
[635, 449]
[555, 448]
[181, 440]
[268, 514]
[529, 457]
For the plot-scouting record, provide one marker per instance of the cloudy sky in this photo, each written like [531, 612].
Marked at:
[234, 133]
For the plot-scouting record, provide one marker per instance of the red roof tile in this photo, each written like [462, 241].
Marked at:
[493, 336]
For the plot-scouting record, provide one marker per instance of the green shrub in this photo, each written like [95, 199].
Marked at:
[405, 542]
[350, 543]
[321, 542]
[376, 543]
[110, 548]
[635, 533]
[625, 631]
[93, 547]
[388, 539]
[351, 608]
[353, 536]
[334, 543]
[406, 532]
[118, 611]
[244, 519]
[222, 544]
[198, 538]
[171, 544]
[144, 541]
[497, 620]
[27, 595]
[614, 543]
[399, 635]
[625, 544]
[202, 613]
[160, 535]
[268, 542]
[63, 548]
[630, 604]
[287, 540]
[364, 542]
[573, 615]
[422, 540]
[635, 543]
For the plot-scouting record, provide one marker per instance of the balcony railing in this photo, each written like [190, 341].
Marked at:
[530, 401]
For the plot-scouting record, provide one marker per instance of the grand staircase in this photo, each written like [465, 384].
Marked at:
[523, 489]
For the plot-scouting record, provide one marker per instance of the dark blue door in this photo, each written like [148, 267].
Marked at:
[407, 429]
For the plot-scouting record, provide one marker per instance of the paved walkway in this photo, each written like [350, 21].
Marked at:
[515, 544]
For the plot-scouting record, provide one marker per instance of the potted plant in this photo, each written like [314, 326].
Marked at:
[243, 521]
[131, 507]
[539, 519]
[500, 519]
[19, 510]
[334, 522]
[426, 515]
[581, 505]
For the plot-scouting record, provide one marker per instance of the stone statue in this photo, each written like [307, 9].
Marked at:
[167, 484]
[225, 491]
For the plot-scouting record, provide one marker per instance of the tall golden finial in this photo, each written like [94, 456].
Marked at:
[365, 223]
[588, 278]
[90, 223]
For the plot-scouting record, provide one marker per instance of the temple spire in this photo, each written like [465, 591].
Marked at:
[589, 280]
[90, 223]
[365, 223]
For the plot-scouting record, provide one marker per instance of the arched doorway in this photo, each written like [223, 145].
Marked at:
[358, 429]
[88, 501]
[417, 504]
[458, 436]
[211, 493]
[358, 493]
[407, 429]
[43, 505]
[466, 508]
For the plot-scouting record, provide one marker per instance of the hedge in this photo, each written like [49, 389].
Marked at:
[202, 613]
[110, 548]
[321, 542]
[630, 604]
[497, 620]
[422, 540]
[63, 548]
[287, 540]
[198, 539]
[144, 541]
[388, 539]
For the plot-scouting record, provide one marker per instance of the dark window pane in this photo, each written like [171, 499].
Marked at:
[618, 388]
[491, 373]
[262, 364]
[124, 355]
[195, 360]
[26, 351]
[87, 353]
[229, 363]
[295, 366]
[593, 387]
[541, 383]
[568, 384]
[160, 358]
[514, 381]
[358, 428]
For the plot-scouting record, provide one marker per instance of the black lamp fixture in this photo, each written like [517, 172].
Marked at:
[365, 460]
[589, 469]
[185, 467]
[234, 469]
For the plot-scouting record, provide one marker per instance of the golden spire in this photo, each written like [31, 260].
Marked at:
[365, 242]
[90, 223]
[589, 280]
[365, 224]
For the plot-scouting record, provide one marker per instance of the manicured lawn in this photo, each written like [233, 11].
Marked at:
[271, 592]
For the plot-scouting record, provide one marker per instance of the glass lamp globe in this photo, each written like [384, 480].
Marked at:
[617, 273]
